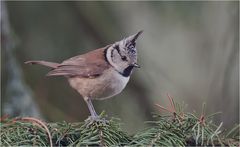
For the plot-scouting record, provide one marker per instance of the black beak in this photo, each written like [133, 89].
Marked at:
[136, 65]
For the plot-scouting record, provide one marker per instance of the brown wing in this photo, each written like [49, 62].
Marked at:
[91, 64]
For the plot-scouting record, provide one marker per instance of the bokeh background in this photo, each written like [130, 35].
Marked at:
[188, 49]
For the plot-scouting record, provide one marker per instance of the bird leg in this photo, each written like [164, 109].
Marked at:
[94, 117]
[91, 109]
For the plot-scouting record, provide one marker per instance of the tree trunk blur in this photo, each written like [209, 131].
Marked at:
[18, 99]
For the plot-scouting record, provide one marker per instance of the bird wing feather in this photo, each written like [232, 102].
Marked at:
[91, 64]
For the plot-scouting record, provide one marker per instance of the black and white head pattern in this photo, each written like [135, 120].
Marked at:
[122, 55]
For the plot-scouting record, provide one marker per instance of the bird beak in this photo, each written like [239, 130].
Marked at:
[134, 37]
[136, 65]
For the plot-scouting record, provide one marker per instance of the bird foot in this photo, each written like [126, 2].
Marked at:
[96, 120]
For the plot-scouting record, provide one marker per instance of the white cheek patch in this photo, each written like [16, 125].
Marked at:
[117, 63]
[110, 56]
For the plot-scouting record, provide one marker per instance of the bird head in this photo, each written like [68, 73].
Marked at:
[122, 55]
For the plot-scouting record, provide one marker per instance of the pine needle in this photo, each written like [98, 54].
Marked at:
[176, 128]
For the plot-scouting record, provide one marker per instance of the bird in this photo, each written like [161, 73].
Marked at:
[98, 74]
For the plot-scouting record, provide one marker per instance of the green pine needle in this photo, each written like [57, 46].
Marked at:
[177, 128]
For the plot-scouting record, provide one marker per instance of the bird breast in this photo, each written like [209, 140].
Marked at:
[108, 84]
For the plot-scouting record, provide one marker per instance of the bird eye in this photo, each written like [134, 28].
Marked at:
[131, 47]
[124, 58]
[133, 51]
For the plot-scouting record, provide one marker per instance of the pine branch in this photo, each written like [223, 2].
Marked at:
[178, 128]
[17, 132]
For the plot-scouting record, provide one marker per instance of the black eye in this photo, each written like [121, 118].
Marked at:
[124, 58]
[132, 51]
[131, 47]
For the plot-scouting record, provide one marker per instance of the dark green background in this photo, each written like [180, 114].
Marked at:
[188, 49]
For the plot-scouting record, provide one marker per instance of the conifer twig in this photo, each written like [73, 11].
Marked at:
[39, 123]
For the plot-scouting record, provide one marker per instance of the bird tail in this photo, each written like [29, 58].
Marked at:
[44, 63]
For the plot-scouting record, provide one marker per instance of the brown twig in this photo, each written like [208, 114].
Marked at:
[171, 102]
[4, 117]
[172, 108]
[38, 123]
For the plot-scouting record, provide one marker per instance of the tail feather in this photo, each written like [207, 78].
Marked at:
[45, 63]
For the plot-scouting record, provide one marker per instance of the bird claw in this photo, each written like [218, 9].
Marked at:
[96, 120]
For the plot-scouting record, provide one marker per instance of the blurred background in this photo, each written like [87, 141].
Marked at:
[188, 49]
